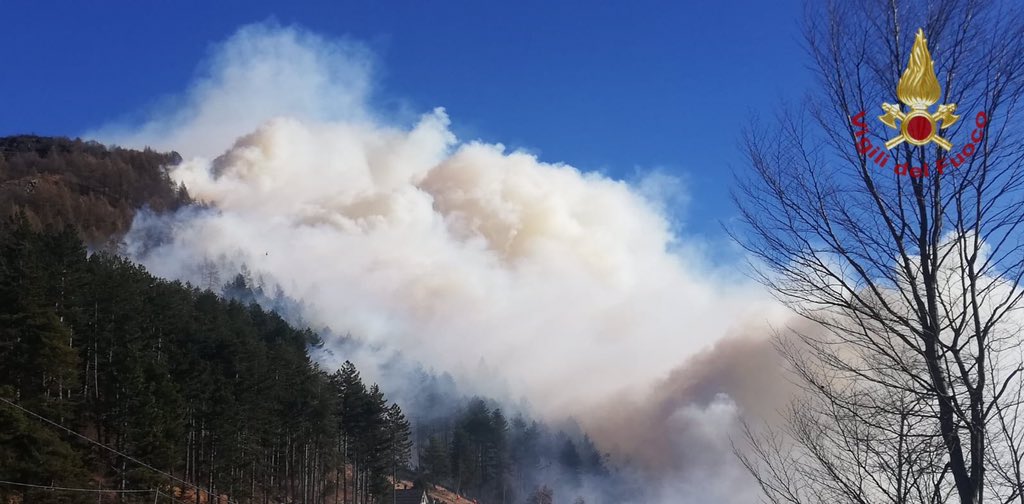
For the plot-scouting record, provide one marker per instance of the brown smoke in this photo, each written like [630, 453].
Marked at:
[665, 429]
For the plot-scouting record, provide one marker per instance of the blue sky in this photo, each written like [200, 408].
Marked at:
[614, 87]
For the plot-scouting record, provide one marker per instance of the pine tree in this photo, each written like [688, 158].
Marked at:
[496, 455]
[570, 461]
[591, 457]
[377, 441]
[468, 446]
[35, 454]
[399, 440]
[355, 404]
[39, 361]
[434, 461]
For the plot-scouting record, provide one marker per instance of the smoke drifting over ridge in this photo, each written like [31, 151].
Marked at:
[520, 277]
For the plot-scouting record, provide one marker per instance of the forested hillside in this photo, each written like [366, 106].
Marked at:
[113, 379]
[470, 444]
[57, 181]
[210, 391]
[489, 457]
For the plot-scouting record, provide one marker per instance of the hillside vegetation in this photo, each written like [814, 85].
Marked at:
[113, 379]
[208, 391]
[97, 189]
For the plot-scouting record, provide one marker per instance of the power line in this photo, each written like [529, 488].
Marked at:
[156, 491]
[112, 450]
[50, 487]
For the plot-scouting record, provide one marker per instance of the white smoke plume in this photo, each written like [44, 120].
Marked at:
[520, 277]
[263, 71]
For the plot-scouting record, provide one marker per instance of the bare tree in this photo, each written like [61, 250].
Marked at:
[912, 380]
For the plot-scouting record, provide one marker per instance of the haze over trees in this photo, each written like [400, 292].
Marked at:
[486, 456]
[912, 375]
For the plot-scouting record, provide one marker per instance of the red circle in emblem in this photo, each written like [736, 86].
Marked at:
[919, 128]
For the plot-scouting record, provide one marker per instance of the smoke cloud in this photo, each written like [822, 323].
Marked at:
[263, 71]
[683, 431]
[522, 278]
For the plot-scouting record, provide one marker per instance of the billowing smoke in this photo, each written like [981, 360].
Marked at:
[683, 430]
[523, 279]
[263, 71]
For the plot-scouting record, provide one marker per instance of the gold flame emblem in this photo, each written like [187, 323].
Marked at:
[919, 89]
